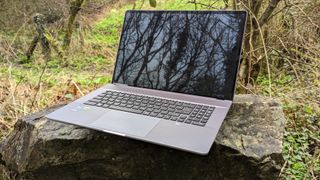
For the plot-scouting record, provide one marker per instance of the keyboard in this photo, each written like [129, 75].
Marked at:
[173, 110]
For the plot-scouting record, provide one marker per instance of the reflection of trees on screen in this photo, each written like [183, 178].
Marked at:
[180, 52]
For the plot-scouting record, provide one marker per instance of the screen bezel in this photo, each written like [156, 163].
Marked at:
[188, 11]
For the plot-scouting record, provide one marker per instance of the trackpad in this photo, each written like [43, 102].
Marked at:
[126, 123]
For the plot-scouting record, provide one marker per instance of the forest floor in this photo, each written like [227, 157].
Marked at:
[91, 60]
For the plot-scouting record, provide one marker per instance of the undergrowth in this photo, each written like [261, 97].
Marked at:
[91, 60]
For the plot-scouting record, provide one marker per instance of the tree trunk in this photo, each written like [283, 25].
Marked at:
[32, 47]
[250, 65]
[75, 6]
[39, 21]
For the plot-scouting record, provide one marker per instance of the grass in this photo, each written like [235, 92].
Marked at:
[91, 61]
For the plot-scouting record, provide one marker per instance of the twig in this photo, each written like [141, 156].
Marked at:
[75, 84]
[264, 47]
[282, 168]
[246, 88]
[313, 23]
[291, 59]
[288, 60]
[11, 86]
[15, 37]
[39, 83]
[209, 6]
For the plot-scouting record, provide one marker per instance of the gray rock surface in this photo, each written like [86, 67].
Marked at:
[249, 146]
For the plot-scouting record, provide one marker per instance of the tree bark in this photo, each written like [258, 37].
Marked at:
[75, 6]
[32, 47]
[267, 13]
[39, 21]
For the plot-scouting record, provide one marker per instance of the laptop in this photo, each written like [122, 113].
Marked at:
[173, 83]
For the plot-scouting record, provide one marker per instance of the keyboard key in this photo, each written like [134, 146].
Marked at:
[164, 108]
[172, 106]
[143, 108]
[160, 116]
[171, 102]
[174, 118]
[171, 109]
[90, 103]
[205, 118]
[146, 112]
[199, 123]
[187, 121]
[165, 105]
[179, 107]
[129, 105]
[183, 117]
[173, 114]
[186, 112]
[149, 109]
[198, 106]
[154, 114]
[105, 105]
[209, 112]
[137, 111]
[101, 95]
[180, 120]
[99, 104]
[165, 112]
[196, 119]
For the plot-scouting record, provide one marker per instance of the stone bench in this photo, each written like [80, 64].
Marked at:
[249, 146]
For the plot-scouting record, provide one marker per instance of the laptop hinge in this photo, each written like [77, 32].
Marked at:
[119, 84]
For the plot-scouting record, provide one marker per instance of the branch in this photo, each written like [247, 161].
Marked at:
[267, 13]
[32, 47]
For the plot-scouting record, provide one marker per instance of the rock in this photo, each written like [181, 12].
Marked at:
[249, 146]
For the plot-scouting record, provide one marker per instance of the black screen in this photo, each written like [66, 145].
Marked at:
[192, 52]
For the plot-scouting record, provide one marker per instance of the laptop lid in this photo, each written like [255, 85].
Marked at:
[190, 52]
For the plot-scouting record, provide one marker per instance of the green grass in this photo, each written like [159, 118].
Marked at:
[107, 31]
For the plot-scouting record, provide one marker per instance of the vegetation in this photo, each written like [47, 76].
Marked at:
[281, 59]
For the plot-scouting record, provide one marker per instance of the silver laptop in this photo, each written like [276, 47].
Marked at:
[173, 82]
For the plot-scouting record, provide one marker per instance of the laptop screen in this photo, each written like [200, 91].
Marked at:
[190, 52]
